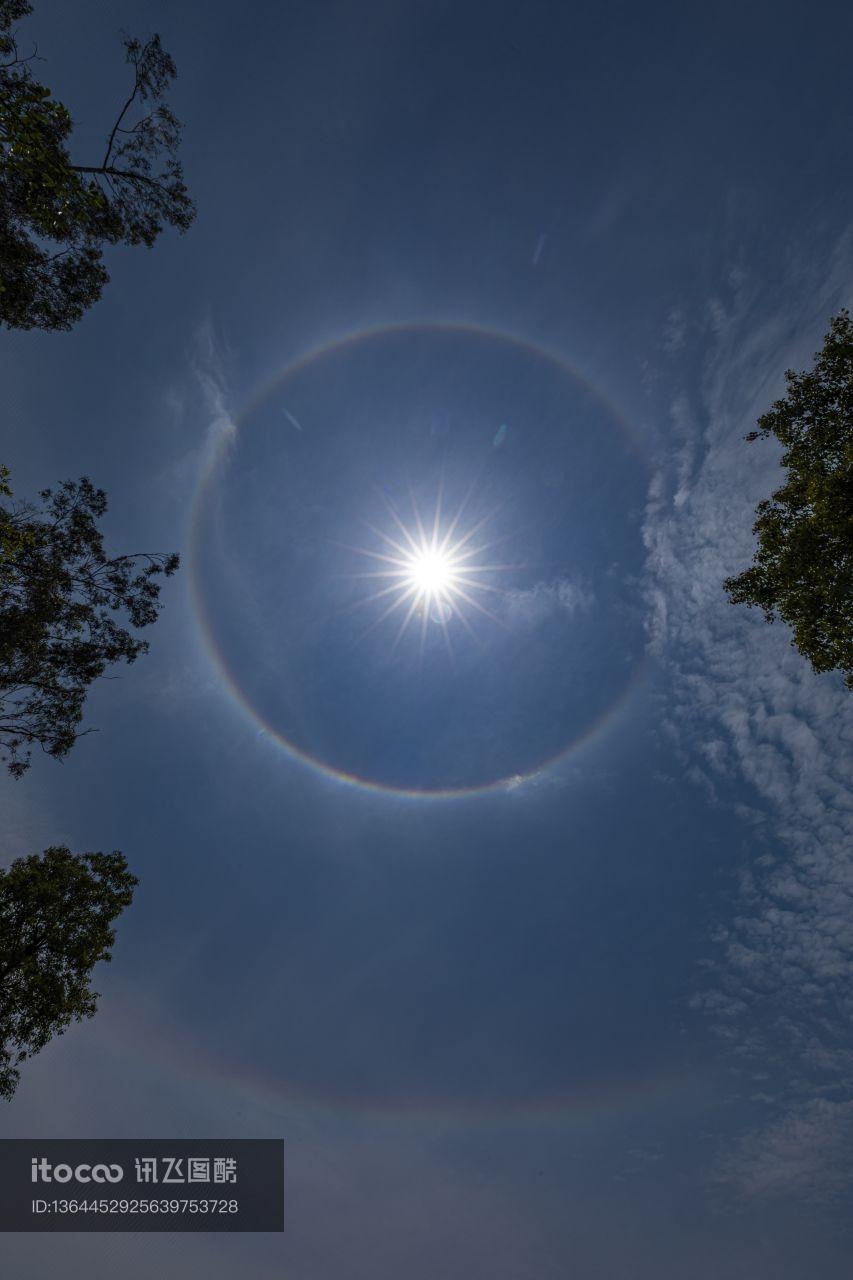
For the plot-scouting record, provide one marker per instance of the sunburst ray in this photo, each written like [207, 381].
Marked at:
[429, 571]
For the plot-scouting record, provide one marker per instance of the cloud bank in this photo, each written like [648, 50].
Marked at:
[745, 708]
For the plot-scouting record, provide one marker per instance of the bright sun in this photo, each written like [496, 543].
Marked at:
[436, 575]
[431, 574]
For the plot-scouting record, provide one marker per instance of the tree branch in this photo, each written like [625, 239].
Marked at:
[122, 114]
[111, 171]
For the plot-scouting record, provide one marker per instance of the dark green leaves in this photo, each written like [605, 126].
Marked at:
[803, 567]
[56, 914]
[60, 597]
[56, 216]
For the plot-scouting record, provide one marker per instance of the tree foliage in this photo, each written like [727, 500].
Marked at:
[57, 216]
[61, 601]
[803, 567]
[56, 914]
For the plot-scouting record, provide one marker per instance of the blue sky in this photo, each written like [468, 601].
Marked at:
[589, 1021]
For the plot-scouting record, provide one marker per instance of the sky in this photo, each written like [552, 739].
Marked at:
[526, 925]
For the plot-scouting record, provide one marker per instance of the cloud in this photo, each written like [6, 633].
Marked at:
[211, 410]
[546, 600]
[209, 367]
[675, 331]
[745, 708]
[805, 1153]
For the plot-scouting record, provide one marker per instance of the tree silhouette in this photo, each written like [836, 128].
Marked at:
[803, 567]
[60, 596]
[57, 216]
[56, 914]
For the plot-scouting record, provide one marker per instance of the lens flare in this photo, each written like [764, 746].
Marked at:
[435, 576]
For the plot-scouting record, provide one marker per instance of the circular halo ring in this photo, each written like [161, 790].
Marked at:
[213, 463]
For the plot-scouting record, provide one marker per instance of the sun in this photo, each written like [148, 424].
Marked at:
[431, 574]
[434, 576]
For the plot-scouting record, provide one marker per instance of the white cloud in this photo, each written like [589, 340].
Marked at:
[805, 1154]
[209, 368]
[745, 707]
[208, 376]
[546, 600]
[675, 331]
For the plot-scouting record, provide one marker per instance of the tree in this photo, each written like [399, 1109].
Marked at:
[803, 567]
[56, 216]
[60, 595]
[56, 914]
